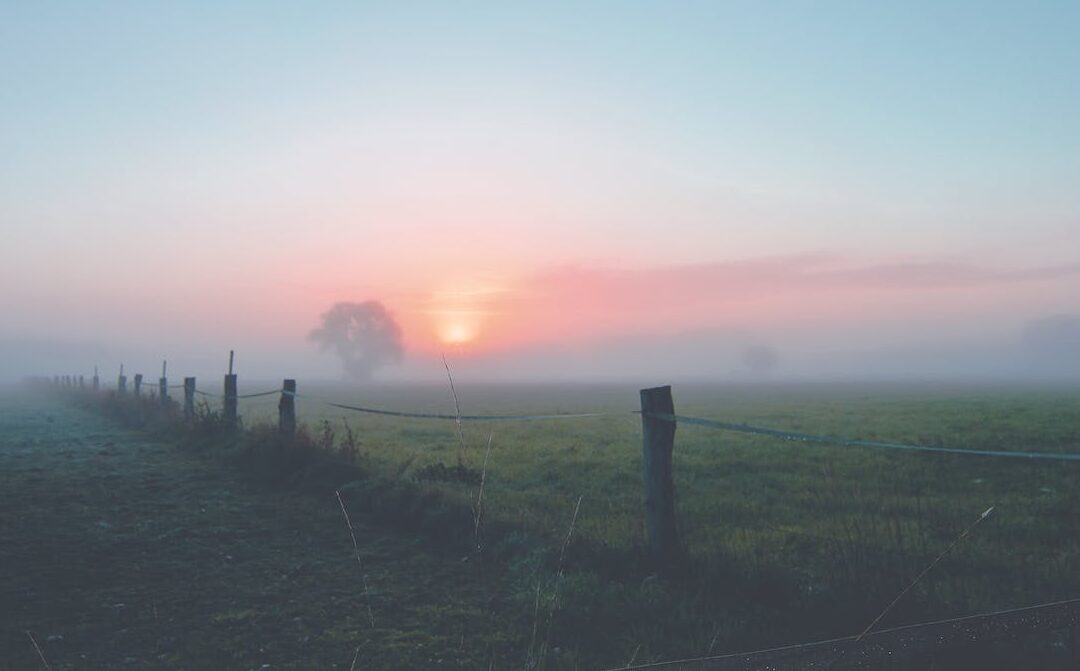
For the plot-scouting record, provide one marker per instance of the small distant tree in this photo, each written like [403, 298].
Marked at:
[365, 337]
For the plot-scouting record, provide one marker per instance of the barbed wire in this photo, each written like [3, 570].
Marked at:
[464, 418]
[796, 436]
[737, 427]
[211, 394]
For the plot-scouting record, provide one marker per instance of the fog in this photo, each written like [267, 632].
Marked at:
[616, 195]
[1044, 349]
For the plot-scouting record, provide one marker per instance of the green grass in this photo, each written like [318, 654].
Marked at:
[120, 551]
[791, 541]
[786, 542]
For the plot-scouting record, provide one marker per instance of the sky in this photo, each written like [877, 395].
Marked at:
[544, 190]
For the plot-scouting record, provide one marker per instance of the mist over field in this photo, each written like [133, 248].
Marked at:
[539, 336]
[1045, 349]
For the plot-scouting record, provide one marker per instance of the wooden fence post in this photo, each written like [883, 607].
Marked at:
[82, 383]
[189, 398]
[96, 380]
[138, 384]
[287, 408]
[230, 400]
[163, 386]
[658, 434]
[121, 381]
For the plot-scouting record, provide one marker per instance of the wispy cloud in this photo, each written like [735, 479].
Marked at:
[799, 273]
[582, 302]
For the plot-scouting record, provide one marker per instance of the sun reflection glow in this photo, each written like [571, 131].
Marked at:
[457, 332]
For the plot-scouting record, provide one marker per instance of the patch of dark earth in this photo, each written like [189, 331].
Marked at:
[118, 552]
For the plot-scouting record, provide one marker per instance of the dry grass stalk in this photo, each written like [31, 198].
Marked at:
[39, 652]
[478, 510]
[359, 562]
[956, 541]
[457, 411]
[558, 579]
[536, 617]
[712, 643]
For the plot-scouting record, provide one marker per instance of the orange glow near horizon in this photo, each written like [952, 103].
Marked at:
[489, 313]
[459, 314]
[457, 330]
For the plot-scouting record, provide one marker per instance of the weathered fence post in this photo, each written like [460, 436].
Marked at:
[121, 381]
[658, 434]
[163, 385]
[189, 398]
[287, 408]
[82, 383]
[230, 400]
[138, 384]
[96, 380]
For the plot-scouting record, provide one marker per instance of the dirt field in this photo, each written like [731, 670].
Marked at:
[119, 552]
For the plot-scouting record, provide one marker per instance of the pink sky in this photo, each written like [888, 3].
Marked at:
[513, 184]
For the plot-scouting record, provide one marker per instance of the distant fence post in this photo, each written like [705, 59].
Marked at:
[138, 384]
[163, 386]
[82, 383]
[287, 408]
[189, 398]
[121, 381]
[96, 381]
[230, 400]
[658, 441]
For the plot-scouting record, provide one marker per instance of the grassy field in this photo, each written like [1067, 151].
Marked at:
[791, 542]
[787, 542]
[120, 551]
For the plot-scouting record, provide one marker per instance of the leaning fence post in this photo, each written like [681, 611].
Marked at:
[189, 398]
[230, 400]
[121, 381]
[287, 408]
[163, 386]
[138, 384]
[658, 442]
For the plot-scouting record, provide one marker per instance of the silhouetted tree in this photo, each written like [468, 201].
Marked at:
[365, 336]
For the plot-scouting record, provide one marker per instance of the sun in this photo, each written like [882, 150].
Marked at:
[457, 332]
[461, 313]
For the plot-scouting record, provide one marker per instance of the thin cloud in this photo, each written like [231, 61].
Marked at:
[796, 273]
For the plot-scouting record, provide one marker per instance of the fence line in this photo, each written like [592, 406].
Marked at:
[736, 427]
[796, 436]
[659, 421]
[883, 648]
[463, 418]
[211, 394]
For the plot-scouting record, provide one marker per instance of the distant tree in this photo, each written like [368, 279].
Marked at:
[365, 337]
[760, 358]
[1054, 339]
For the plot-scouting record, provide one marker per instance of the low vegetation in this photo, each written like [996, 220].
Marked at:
[785, 542]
